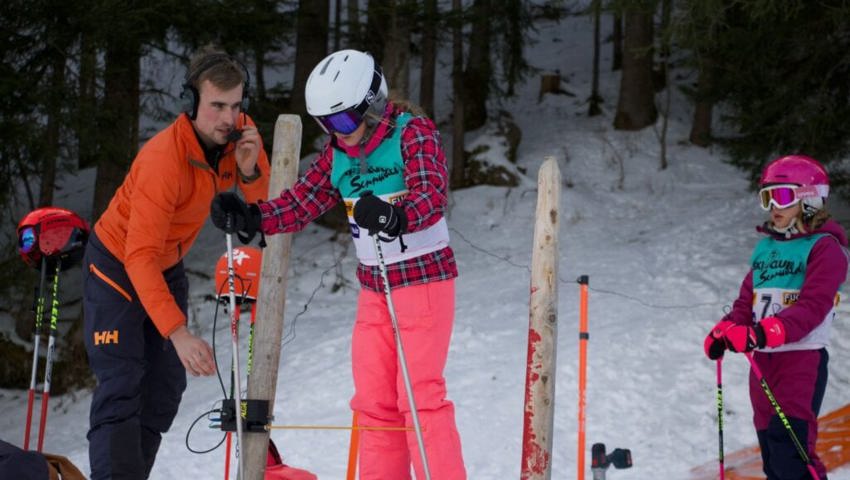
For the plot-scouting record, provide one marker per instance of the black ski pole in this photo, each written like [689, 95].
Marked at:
[800, 450]
[51, 349]
[39, 315]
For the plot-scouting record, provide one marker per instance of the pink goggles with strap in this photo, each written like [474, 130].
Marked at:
[787, 195]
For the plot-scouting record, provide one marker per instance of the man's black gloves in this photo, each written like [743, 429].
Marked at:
[376, 215]
[244, 219]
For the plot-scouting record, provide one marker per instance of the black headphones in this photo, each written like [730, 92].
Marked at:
[190, 97]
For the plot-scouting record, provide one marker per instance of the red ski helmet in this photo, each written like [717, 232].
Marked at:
[247, 262]
[53, 234]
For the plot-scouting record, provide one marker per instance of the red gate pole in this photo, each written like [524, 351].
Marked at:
[583, 337]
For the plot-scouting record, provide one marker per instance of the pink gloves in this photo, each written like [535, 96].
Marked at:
[715, 341]
[770, 332]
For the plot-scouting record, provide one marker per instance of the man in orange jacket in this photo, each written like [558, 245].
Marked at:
[135, 287]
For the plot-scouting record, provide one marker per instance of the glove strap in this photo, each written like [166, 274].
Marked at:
[245, 237]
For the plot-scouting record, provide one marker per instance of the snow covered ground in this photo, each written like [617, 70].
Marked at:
[665, 252]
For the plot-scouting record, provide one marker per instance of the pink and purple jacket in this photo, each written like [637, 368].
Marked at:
[426, 179]
[826, 270]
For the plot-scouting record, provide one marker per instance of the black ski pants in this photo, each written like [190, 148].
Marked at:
[140, 379]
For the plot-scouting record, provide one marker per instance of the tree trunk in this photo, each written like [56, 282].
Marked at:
[617, 43]
[514, 38]
[119, 127]
[54, 122]
[458, 175]
[258, 83]
[311, 48]
[664, 57]
[476, 82]
[337, 24]
[353, 13]
[595, 99]
[704, 105]
[86, 110]
[396, 63]
[429, 57]
[379, 14]
[636, 103]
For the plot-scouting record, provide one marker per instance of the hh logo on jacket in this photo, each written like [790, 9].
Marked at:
[106, 337]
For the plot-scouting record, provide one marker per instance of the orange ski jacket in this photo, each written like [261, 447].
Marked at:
[157, 212]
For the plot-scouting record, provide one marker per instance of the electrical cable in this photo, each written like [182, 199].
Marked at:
[217, 372]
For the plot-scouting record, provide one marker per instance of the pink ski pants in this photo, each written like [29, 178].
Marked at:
[425, 315]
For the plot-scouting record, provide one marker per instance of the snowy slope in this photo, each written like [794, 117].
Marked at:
[665, 252]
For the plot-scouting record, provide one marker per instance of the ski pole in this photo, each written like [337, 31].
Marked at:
[800, 450]
[39, 315]
[720, 418]
[51, 348]
[234, 337]
[251, 339]
[401, 358]
[229, 435]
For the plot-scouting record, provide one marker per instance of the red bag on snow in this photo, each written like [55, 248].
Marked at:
[277, 470]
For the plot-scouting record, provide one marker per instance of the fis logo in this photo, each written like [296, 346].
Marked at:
[239, 256]
[106, 337]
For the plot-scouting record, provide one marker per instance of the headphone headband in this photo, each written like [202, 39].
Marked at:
[191, 96]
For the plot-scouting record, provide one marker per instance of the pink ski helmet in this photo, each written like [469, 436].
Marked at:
[800, 170]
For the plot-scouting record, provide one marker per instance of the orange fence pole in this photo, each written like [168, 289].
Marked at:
[353, 448]
[583, 337]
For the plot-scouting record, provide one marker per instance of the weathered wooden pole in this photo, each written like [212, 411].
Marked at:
[268, 329]
[542, 329]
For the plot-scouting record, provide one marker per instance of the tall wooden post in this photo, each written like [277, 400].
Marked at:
[542, 329]
[268, 329]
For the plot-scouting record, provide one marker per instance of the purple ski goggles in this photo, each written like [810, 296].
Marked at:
[344, 122]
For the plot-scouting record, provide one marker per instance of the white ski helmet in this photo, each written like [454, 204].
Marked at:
[342, 88]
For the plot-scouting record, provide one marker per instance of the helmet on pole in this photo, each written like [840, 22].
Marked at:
[247, 262]
[53, 234]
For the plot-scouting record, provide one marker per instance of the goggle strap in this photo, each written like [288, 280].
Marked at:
[374, 88]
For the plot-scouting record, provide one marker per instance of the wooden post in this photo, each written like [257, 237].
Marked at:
[268, 331]
[542, 329]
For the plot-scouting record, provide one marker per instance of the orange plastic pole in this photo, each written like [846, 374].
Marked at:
[583, 337]
[353, 448]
